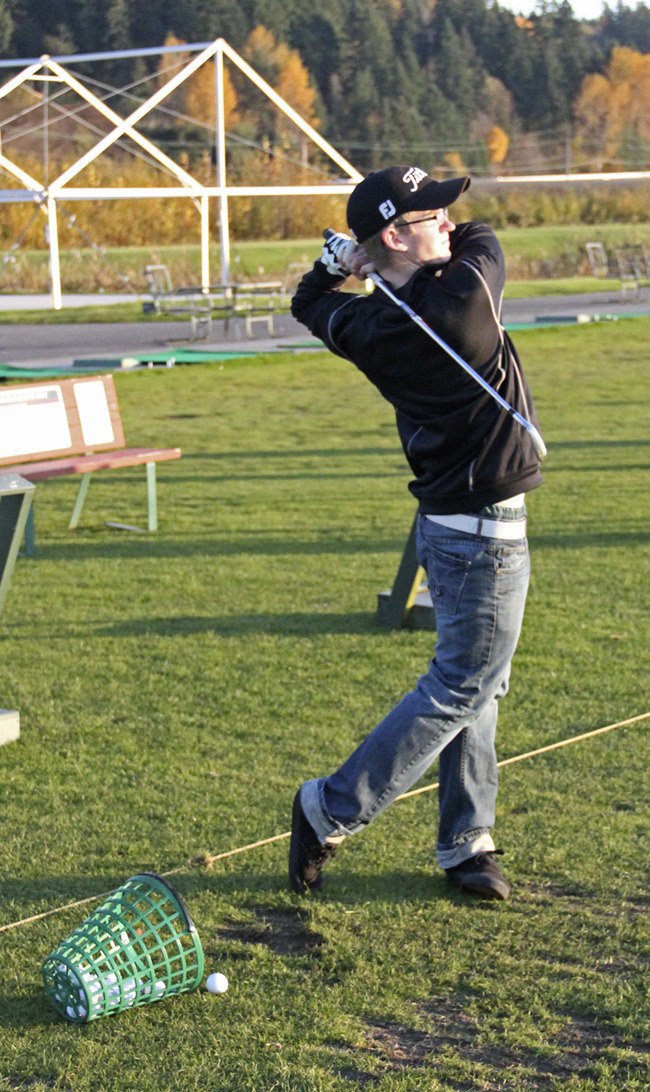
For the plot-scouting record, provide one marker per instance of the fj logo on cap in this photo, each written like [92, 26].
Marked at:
[387, 209]
[413, 177]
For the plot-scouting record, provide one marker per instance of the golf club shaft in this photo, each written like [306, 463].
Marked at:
[537, 441]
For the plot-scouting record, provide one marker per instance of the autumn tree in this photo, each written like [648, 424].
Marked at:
[282, 68]
[497, 142]
[294, 85]
[614, 107]
[168, 65]
[200, 101]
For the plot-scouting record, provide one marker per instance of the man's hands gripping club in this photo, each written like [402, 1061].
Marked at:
[338, 252]
[347, 257]
[343, 256]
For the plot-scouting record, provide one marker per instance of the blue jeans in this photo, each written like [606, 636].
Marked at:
[478, 587]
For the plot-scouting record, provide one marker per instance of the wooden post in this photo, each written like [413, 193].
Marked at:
[408, 603]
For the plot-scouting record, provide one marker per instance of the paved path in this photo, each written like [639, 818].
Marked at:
[60, 344]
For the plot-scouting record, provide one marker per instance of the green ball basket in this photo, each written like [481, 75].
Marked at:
[138, 947]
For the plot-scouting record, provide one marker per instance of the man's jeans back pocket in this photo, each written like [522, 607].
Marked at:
[447, 573]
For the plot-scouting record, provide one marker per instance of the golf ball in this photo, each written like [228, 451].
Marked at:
[217, 983]
[158, 988]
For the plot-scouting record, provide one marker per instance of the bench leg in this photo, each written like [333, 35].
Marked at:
[151, 497]
[268, 319]
[81, 497]
[200, 322]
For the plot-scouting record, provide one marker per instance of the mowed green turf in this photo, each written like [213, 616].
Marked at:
[174, 689]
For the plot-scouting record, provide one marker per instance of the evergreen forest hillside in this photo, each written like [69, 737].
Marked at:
[466, 80]
[455, 86]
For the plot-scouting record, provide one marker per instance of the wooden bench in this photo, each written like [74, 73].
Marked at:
[257, 301]
[71, 426]
[251, 301]
[626, 265]
[190, 303]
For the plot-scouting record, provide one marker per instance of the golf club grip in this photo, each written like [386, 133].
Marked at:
[538, 443]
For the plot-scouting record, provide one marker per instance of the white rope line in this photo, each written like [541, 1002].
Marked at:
[207, 860]
[543, 750]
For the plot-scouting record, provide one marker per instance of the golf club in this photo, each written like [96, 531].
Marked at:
[537, 441]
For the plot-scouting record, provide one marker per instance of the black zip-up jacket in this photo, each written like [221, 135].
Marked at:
[464, 450]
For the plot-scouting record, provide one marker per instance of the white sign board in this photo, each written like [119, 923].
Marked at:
[94, 414]
[33, 420]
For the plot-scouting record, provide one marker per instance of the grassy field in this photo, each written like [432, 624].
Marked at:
[132, 311]
[175, 688]
[548, 251]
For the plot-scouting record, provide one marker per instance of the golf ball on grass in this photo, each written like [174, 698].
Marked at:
[216, 983]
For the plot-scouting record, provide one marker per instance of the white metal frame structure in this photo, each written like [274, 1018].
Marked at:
[49, 69]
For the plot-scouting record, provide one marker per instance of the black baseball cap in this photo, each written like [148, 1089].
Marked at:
[384, 195]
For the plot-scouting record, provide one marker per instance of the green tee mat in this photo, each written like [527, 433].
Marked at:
[162, 359]
[138, 947]
[127, 363]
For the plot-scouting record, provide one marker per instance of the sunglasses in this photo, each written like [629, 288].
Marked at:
[440, 217]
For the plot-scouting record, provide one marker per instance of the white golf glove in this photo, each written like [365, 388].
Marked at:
[337, 253]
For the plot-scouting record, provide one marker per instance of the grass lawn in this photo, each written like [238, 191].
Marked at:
[131, 311]
[550, 251]
[175, 688]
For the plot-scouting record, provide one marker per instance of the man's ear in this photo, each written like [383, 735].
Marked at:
[392, 238]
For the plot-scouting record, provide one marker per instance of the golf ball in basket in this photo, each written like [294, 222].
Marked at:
[158, 988]
[217, 983]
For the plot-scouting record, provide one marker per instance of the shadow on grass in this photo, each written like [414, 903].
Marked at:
[305, 473]
[345, 886]
[256, 543]
[259, 545]
[390, 452]
[32, 1010]
[23, 898]
[579, 445]
[282, 625]
[279, 625]
[280, 926]
[295, 453]
[581, 540]
[592, 468]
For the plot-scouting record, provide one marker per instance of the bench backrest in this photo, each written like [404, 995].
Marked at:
[598, 259]
[158, 279]
[631, 260]
[62, 417]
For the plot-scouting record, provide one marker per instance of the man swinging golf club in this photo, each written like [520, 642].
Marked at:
[473, 463]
